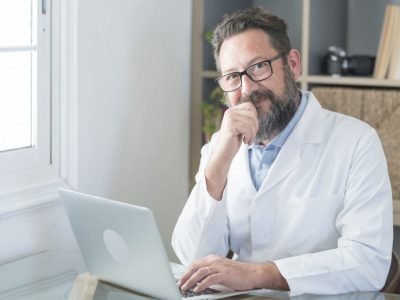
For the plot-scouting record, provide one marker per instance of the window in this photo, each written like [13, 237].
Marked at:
[25, 93]
[17, 74]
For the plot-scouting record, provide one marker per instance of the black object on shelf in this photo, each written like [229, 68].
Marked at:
[361, 65]
[337, 62]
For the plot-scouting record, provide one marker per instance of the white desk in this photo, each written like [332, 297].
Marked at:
[51, 276]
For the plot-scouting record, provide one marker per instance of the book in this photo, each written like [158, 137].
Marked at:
[386, 42]
[394, 62]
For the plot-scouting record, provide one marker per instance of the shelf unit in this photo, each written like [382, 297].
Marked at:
[313, 25]
[305, 81]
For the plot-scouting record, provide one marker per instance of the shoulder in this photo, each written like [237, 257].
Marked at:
[345, 126]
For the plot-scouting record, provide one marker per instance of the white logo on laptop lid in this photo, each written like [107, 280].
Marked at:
[116, 246]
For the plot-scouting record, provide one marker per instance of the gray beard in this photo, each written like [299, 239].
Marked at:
[282, 108]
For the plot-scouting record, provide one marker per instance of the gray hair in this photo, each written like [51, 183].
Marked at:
[252, 18]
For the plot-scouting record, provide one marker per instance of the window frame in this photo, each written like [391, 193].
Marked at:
[19, 167]
[59, 167]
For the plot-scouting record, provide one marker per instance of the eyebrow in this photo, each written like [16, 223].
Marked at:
[250, 63]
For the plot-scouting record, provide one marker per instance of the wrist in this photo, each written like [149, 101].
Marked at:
[215, 174]
[214, 189]
[268, 276]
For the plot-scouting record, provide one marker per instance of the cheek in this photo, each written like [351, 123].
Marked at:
[233, 98]
[273, 85]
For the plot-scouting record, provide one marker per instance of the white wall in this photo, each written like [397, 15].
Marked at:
[38, 251]
[134, 106]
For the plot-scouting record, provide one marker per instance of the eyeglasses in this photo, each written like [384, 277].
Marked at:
[257, 72]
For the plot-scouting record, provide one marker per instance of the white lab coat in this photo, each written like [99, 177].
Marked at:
[323, 213]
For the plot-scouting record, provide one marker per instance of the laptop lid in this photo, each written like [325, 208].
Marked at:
[120, 243]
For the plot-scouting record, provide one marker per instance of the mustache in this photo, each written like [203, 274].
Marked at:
[274, 117]
[259, 95]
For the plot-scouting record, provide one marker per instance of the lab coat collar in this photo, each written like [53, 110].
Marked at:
[307, 131]
[310, 126]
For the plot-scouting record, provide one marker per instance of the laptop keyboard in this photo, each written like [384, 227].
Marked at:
[190, 293]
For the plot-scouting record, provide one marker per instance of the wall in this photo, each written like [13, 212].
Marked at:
[364, 14]
[38, 251]
[134, 84]
[290, 11]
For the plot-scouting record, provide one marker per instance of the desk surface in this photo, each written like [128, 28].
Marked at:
[106, 292]
[62, 290]
[49, 276]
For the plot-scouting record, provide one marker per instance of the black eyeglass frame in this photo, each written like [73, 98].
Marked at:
[269, 61]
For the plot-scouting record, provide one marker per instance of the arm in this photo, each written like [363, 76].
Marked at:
[236, 275]
[239, 123]
[202, 227]
[362, 258]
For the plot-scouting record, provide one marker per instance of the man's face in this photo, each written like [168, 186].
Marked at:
[274, 98]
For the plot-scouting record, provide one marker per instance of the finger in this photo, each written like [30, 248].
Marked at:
[249, 123]
[189, 273]
[239, 116]
[247, 134]
[194, 267]
[248, 115]
[250, 112]
[238, 122]
[195, 278]
[251, 132]
[246, 105]
[254, 130]
[207, 282]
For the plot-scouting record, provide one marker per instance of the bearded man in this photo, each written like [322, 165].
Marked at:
[299, 194]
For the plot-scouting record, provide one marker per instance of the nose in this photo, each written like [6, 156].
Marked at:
[248, 85]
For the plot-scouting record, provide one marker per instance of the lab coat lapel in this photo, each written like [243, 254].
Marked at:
[307, 130]
[240, 171]
[286, 161]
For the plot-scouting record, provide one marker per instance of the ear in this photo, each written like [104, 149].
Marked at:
[294, 62]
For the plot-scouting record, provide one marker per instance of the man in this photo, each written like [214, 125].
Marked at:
[300, 194]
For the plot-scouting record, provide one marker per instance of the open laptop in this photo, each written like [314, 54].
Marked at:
[120, 243]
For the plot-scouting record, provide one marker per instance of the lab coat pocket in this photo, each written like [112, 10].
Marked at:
[310, 225]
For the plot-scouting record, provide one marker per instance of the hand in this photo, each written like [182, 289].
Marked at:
[240, 123]
[236, 275]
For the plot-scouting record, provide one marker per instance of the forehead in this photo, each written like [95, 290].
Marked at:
[242, 49]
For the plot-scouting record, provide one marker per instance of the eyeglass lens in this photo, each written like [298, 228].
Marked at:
[256, 72]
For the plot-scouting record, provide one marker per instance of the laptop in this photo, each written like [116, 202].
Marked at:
[120, 244]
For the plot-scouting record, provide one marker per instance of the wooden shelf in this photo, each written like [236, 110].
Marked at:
[349, 80]
[210, 74]
[330, 80]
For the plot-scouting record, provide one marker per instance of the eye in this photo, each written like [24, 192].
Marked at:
[261, 65]
[231, 77]
[259, 69]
